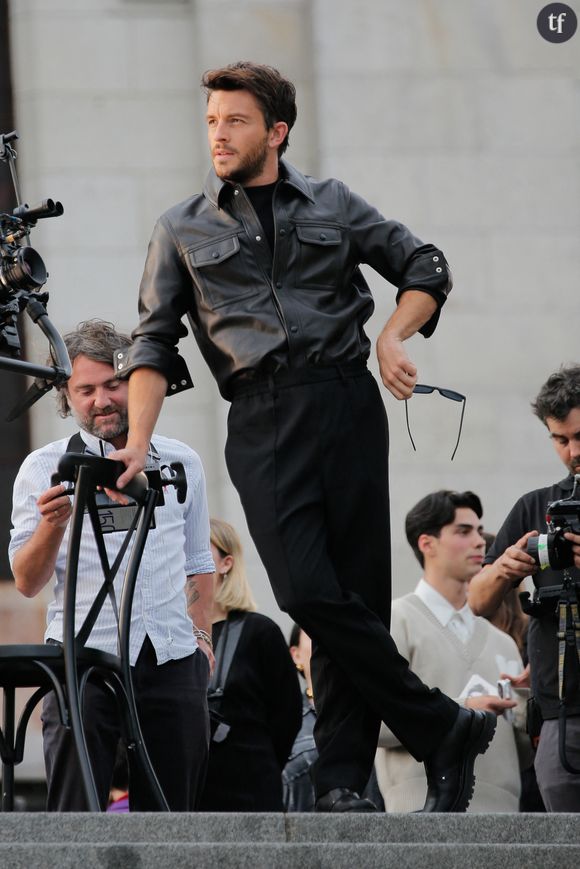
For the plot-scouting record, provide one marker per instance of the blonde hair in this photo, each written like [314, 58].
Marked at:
[234, 593]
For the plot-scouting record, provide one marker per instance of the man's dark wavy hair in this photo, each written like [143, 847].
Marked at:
[274, 93]
[97, 340]
[559, 395]
[433, 512]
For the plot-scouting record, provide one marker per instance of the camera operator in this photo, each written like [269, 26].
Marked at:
[168, 655]
[511, 559]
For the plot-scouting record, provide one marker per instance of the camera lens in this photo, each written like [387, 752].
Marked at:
[539, 549]
[26, 271]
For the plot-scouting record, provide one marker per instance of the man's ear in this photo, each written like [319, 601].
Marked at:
[425, 544]
[278, 133]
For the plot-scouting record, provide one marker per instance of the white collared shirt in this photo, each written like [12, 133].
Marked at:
[177, 547]
[461, 622]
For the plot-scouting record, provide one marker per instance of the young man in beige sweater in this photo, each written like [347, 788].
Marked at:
[447, 646]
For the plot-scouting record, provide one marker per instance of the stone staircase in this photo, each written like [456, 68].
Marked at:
[274, 841]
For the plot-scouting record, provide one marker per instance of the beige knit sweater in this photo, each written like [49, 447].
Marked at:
[441, 660]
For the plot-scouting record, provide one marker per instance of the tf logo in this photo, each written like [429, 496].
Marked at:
[557, 22]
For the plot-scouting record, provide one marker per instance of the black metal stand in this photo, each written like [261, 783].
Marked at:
[67, 668]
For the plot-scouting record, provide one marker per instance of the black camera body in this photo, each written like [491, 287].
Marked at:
[552, 549]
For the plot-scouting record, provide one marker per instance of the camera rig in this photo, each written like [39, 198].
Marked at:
[22, 274]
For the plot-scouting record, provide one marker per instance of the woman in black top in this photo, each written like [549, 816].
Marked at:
[261, 706]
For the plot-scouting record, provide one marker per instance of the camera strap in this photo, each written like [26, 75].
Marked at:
[568, 638]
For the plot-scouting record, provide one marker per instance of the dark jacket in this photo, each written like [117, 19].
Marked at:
[256, 310]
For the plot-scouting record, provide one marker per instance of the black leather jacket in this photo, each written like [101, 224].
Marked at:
[256, 310]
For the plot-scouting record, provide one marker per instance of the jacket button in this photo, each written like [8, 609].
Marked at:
[435, 259]
[258, 238]
[279, 285]
[173, 386]
[438, 269]
[322, 236]
[282, 232]
[120, 365]
[294, 329]
[215, 254]
[119, 355]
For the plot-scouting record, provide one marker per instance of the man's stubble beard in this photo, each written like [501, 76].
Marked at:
[251, 166]
[105, 431]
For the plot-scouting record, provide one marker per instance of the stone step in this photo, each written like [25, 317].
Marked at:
[315, 855]
[276, 829]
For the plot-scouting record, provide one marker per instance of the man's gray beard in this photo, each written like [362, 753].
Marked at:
[106, 433]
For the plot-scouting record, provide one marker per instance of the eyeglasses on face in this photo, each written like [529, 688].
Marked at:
[424, 389]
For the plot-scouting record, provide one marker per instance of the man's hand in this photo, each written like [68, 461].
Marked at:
[515, 563]
[575, 541]
[490, 703]
[398, 373]
[522, 680]
[134, 461]
[55, 507]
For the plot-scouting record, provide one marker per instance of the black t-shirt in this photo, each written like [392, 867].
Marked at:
[529, 514]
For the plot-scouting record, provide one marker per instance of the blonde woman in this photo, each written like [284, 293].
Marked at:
[259, 702]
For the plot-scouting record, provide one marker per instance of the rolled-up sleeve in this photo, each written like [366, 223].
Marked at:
[400, 257]
[162, 304]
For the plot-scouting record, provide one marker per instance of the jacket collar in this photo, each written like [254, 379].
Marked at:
[217, 191]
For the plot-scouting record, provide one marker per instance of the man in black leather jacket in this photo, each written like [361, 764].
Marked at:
[265, 263]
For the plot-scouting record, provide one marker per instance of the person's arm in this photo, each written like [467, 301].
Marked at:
[33, 564]
[488, 588]
[398, 373]
[199, 595]
[147, 389]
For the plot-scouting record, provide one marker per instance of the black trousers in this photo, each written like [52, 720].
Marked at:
[307, 451]
[172, 706]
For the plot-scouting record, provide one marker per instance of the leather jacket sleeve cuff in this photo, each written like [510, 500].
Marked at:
[170, 364]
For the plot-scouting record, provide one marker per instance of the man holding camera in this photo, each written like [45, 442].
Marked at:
[554, 661]
[169, 655]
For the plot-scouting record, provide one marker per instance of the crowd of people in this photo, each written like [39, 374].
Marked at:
[424, 705]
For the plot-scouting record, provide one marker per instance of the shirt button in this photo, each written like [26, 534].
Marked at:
[258, 238]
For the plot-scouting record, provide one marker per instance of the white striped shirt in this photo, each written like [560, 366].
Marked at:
[176, 548]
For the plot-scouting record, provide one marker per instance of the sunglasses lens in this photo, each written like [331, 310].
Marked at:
[454, 396]
[422, 389]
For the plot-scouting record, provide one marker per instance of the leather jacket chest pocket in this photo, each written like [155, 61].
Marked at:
[221, 274]
[320, 255]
